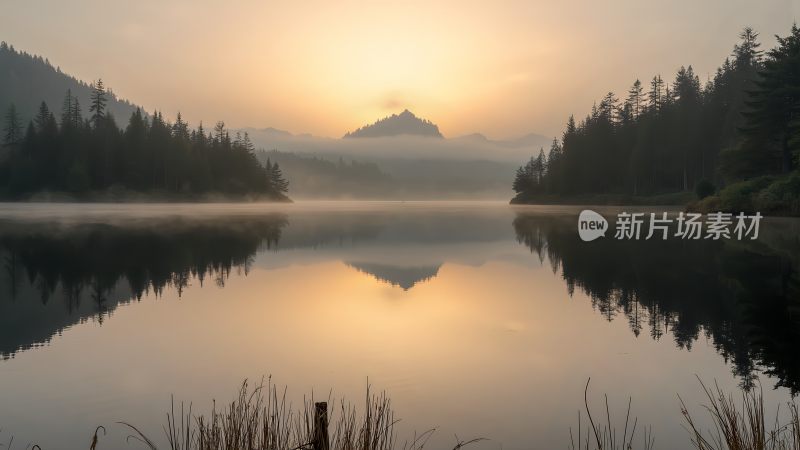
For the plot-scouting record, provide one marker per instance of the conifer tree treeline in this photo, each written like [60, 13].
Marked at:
[77, 155]
[743, 123]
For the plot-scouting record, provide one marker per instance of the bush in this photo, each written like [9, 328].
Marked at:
[739, 197]
[783, 195]
[706, 205]
[704, 188]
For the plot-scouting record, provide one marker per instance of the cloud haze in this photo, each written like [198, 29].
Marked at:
[501, 68]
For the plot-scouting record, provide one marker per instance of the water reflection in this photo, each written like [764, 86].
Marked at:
[440, 305]
[59, 274]
[744, 296]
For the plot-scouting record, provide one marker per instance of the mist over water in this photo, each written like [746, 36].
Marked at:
[477, 318]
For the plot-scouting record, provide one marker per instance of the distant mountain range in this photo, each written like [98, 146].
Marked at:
[408, 165]
[529, 140]
[26, 80]
[403, 124]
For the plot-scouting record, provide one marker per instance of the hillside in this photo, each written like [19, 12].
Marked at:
[405, 123]
[315, 177]
[27, 80]
[120, 154]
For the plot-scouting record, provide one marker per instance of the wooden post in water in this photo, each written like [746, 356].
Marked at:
[320, 427]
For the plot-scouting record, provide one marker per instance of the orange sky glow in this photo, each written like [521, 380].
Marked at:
[503, 68]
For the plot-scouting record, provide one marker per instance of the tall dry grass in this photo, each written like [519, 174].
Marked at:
[742, 425]
[603, 435]
[260, 418]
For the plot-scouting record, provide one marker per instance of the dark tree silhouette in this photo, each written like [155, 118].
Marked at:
[12, 133]
[742, 124]
[150, 154]
[98, 105]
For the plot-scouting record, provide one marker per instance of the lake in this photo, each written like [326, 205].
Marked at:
[479, 319]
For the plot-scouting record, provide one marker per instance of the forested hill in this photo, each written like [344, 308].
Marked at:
[26, 80]
[100, 148]
[734, 140]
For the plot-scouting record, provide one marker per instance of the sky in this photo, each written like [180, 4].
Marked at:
[502, 68]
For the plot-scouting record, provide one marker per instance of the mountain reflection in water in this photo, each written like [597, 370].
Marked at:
[107, 310]
[741, 295]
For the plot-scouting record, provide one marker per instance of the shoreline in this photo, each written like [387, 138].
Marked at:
[133, 197]
[670, 199]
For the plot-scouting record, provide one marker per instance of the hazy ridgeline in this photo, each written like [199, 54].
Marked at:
[686, 136]
[399, 157]
[344, 176]
[27, 80]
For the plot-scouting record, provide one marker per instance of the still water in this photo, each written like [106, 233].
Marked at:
[478, 319]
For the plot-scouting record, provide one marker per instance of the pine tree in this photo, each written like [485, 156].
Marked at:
[746, 53]
[247, 144]
[520, 184]
[147, 156]
[98, 102]
[554, 161]
[275, 179]
[220, 133]
[571, 128]
[744, 123]
[200, 135]
[636, 99]
[541, 166]
[180, 129]
[76, 114]
[655, 97]
[12, 133]
[67, 110]
[775, 105]
[44, 119]
[608, 108]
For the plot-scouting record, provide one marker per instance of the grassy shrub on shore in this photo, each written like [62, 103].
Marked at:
[602, 435]
[704, 189]
[743, 425]
[767, 194]
[261, 419]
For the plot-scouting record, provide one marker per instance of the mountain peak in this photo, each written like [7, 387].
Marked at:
[405, 123]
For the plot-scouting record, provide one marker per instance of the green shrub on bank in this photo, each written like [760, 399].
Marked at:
[704, 189]
[781, 196]
[740, 196]
[767, 195]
